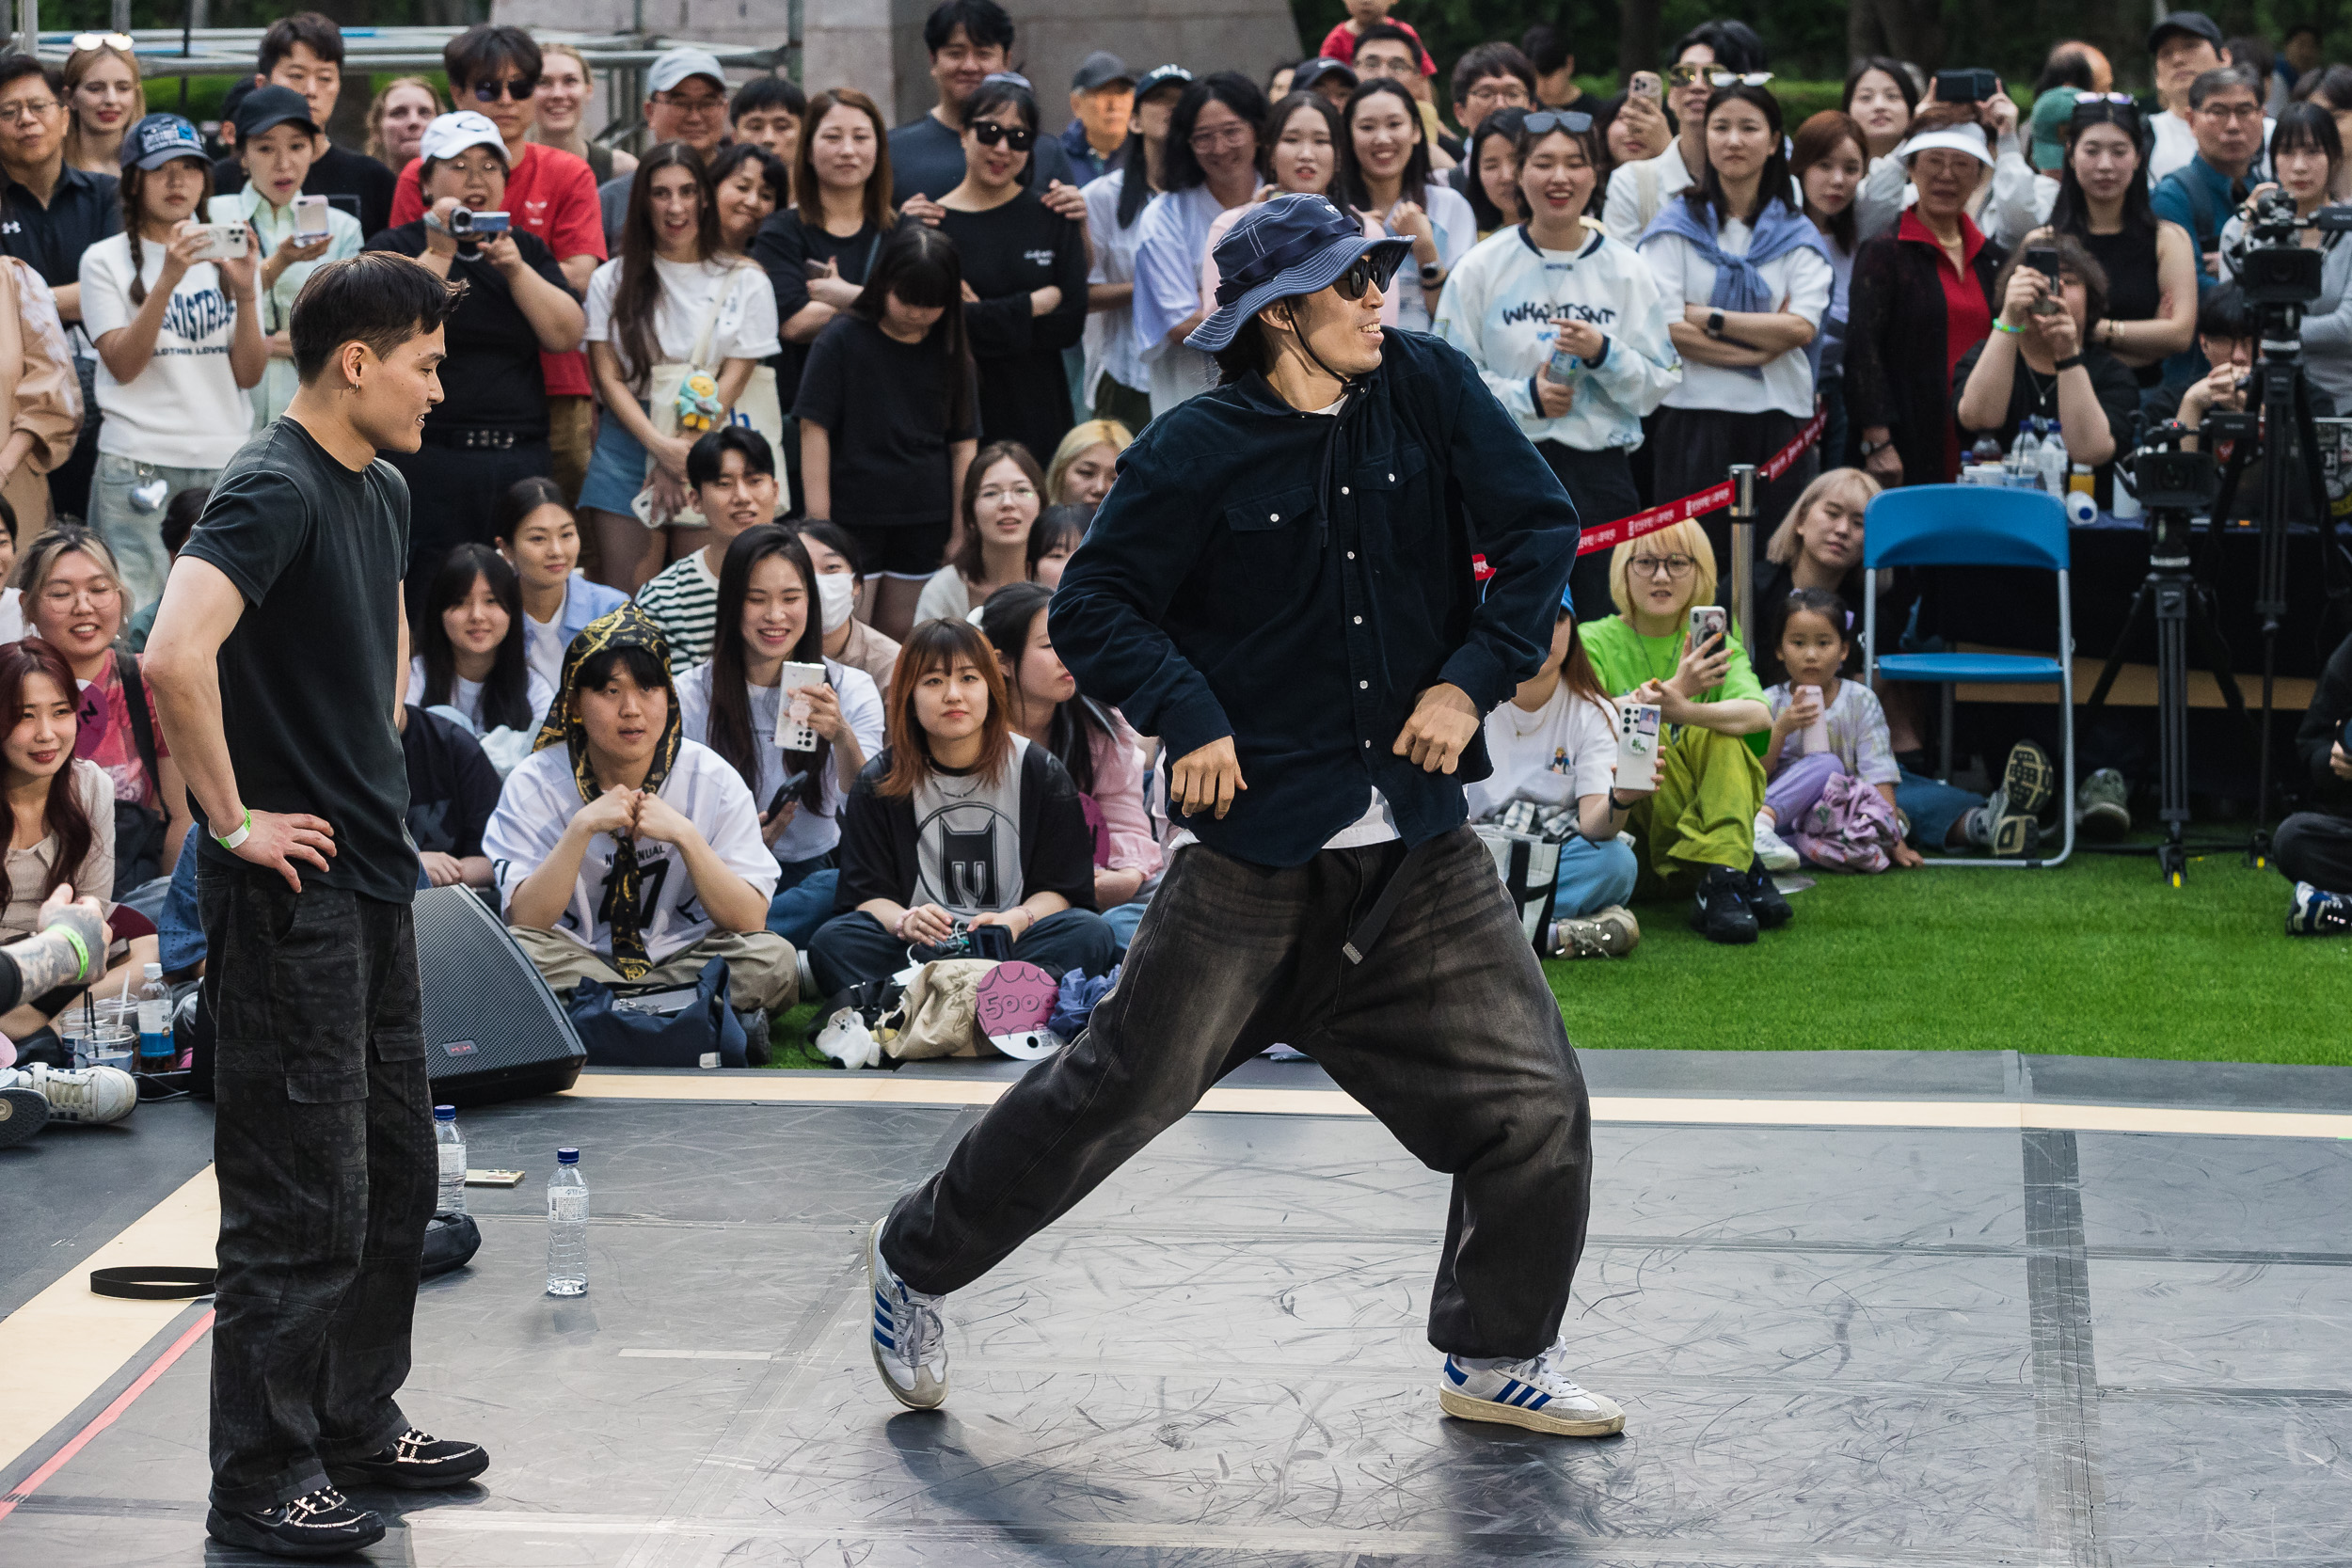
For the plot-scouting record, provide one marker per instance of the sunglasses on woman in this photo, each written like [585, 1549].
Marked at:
[121, 41]
[994, 132]
[1542, 123]
[1364, 273]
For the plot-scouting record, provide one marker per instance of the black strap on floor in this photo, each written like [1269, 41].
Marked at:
[1367, 931]
[151, 1283]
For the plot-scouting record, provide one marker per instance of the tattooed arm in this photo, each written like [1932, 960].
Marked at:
[49, 958]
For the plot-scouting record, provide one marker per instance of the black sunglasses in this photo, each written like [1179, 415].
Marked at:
[1545, 122]
[993, 132]
[1365, 273]
[516, 87]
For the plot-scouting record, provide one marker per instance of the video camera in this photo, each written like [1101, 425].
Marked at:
[2273, 267]
[2169, 481]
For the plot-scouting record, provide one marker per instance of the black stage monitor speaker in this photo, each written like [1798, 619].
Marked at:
[492, 1029]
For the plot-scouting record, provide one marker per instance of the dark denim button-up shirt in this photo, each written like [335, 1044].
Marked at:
[1297, 581]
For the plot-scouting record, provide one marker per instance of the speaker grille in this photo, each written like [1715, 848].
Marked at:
[492, 1028]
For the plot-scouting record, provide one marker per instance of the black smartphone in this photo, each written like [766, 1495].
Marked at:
[991, 942]
[2044, 259]
[1963, 87]
[791, 782]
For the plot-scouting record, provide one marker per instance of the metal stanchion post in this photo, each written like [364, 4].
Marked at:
[28, 26]
[1743, 554]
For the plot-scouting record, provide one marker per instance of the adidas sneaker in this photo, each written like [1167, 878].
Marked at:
[1536, 1394]
[909, 1337]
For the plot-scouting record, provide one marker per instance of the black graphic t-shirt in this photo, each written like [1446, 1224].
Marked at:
[970, 846]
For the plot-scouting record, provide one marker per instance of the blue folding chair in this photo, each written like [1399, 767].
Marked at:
[1971, 525]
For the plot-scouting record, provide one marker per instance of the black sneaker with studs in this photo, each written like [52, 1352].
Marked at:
[322, 1524]
[416, 1461]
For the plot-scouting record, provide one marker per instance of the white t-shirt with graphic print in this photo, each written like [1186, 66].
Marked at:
[184, 410]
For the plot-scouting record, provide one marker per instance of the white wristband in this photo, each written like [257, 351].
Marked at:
[245, 830]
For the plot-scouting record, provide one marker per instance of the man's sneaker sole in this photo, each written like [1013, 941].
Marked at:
[2029, 778]
[873, 1300]
[1462, 1405]
[22, 1114]
[232, 1531]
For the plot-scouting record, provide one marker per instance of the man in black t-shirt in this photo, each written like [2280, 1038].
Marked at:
[276, 662]
[305, 52]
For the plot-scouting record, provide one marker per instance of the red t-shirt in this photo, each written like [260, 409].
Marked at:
[553, 195]
[1968, 315]
[1340, 44]
[103, 734]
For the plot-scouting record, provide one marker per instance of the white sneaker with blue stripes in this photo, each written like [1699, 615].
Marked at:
[1536, 1394]
[2317, 913]
[910, 1337]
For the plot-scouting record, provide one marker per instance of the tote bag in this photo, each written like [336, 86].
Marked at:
[756, 407]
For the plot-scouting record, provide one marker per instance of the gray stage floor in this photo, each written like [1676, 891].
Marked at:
[1835, 1346]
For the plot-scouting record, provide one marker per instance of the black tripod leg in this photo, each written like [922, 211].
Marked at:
[2142, 603]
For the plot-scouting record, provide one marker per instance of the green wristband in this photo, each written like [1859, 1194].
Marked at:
[231, 841]
[81, 951]
[2000, 325]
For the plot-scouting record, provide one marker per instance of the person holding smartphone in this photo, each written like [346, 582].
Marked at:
[2040, 361]
[770, 615]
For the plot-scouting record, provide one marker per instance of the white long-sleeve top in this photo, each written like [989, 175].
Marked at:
[2006, 214]
[1498, 308]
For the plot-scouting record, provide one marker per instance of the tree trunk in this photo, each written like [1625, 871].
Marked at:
[1637, 38]
[1907, 29]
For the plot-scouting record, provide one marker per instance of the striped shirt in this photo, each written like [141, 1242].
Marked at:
[684, 602]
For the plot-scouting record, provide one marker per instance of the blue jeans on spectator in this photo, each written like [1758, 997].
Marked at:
[853, 948]
[803, 899]
[1932, 808]
[1593, 877]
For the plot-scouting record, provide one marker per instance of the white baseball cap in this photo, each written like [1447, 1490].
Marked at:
[1955, 138]
[677, 65]
[450, 135]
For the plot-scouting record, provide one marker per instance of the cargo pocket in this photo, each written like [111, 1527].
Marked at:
[318, 998]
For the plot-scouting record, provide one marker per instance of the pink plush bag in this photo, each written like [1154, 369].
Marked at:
[1850, 827]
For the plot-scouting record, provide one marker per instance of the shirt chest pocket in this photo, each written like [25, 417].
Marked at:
[1276, 510]
[1397, 510]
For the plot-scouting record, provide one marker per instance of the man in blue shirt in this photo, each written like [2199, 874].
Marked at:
[2225, 112]
[1280, 585]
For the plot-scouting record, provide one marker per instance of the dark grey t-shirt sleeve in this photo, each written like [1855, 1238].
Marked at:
[252, 526]
[820, 395]
[877, 847]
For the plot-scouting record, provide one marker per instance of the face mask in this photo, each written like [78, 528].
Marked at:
[836, 592]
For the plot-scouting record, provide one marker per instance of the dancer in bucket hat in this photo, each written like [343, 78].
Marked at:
[1280, 585]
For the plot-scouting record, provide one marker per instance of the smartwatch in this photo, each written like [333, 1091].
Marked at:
[1715, 323]
[1431, 272]
[2068, 363]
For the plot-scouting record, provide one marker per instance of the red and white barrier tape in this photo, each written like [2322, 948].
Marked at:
[1602, 536]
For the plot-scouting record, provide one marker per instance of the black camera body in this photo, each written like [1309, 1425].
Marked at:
[1965, 86]
[2272, 267]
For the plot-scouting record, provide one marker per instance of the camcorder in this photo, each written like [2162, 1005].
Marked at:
[2168, 480]
[2273, 266]
[467, 224]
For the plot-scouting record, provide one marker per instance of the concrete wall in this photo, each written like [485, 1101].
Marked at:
[877, 45]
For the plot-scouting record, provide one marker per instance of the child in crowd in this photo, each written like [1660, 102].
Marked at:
[960, 821]
[840, 590]
[733, 472]
[1001, 493]
[180, 516]
[536, 533]
[179, 343]
[769, 613]
[1053, 539]
[469, 646]
[626, 852]
[1814, 773]
[889, 416]
[1702, 818]
[1555, 743]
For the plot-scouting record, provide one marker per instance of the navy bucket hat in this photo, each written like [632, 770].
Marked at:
[1295, 245]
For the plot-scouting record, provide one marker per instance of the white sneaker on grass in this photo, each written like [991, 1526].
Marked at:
[909, 1338]
[1770, 847]
[1536, 1394]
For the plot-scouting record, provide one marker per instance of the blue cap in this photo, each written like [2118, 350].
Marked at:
[444, 1113]
[158, 139]
[1295, 245]
[567, 1156]
[1567, 597]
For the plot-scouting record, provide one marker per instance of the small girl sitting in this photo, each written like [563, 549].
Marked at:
[1830, 769]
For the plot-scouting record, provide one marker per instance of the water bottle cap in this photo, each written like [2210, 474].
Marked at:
[444, 1113]
[155, 972]
[567, 1156]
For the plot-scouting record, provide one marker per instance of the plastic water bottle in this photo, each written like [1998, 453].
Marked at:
[1987, 449]
[2025, 454]
[450, 1145]
[567, 1226]
[155, 1022]
[2054, 461]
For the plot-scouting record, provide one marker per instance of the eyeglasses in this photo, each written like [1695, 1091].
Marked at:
[1364, 273]
[1211, 141]
[995, 493]
[513, 87]
[1510, 90]
[2230, 111]
[60, 597]
[102, 41]
[1542, 123]
[1734, 78]
[707, 103]
[995, 133]
[20, 114]
[1663, 565]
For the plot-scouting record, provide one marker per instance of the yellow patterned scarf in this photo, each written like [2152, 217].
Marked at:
[626, 628]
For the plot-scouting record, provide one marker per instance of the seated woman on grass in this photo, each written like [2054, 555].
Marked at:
[469, 646]
[1702, 820]
[538, 533]
[960, 820]
[626, 852]
[62, 824]
[1554, 745]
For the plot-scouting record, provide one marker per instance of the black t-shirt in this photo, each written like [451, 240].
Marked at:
[84, 209]
[308, 676]
[491, 380]
[886, 405]
[1009, 252]
[783, 247]
[353, 181]
[958, 856]
[452, 786]
[2032, 393]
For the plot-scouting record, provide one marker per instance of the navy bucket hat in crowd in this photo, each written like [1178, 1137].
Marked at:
[1295, 245]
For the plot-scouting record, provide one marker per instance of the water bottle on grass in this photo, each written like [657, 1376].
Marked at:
[450, 1145]
[567, 1226]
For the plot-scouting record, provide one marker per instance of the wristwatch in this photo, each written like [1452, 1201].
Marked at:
[1867, 446]
[2068, 363]
[1715, 323]
[1431, 272]
[1615, 804]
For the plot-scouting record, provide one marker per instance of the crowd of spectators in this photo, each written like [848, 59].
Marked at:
[782, 425]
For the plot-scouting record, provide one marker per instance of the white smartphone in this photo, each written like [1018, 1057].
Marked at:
[309, 217]
[1706, 620]
[792, 731]
[222, 242]
[1637, 745]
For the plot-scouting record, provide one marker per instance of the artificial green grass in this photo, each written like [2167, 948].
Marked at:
[2095, 958]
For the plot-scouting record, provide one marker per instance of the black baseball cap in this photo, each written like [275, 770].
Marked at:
[264, 107]
[1100, 70]
[1162, 76]
[1308, 72]
[2195, 22]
